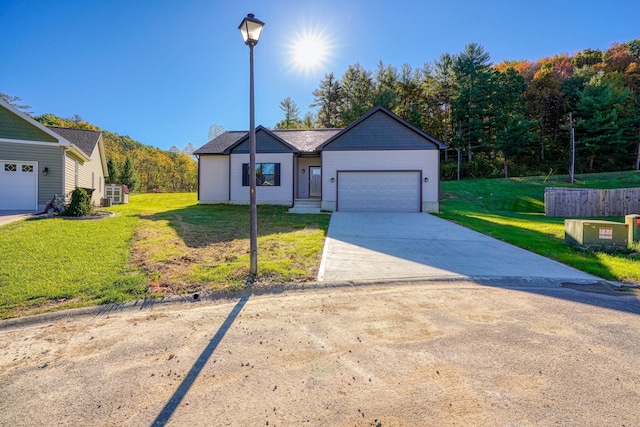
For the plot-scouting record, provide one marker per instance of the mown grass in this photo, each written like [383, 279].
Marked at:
[513, 210]
[158, 244]
[65, 263]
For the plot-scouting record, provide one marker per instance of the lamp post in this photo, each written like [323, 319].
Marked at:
[251, 28]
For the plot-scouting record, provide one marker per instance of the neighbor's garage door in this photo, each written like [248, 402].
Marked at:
[18, 186]
[379, 191]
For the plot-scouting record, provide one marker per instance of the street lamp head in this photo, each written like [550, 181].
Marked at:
[251, 28]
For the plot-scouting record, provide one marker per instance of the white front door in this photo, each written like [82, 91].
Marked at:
[18, 185]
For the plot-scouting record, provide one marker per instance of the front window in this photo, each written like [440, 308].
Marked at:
[267, 174]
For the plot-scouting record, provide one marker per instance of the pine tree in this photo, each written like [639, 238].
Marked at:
[328, 98]
[112, 170]
[129, 176]
[291, 112]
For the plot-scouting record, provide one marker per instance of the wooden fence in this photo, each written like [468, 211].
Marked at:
[584, 202]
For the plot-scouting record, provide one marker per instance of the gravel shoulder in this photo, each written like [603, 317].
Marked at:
[452, 352]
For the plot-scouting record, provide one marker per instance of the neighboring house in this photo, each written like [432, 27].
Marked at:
[38, 162]
[378, 163]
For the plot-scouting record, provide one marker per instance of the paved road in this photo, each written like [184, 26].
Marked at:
[383, 246]
[410, 354]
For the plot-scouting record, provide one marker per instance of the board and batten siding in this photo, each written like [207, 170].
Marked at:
[426, 161]
[276, 195]
[45, 156]
[214, 179]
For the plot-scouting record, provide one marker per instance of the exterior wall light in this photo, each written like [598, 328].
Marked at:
[426, 179]
[45, 171]
[303, 171]
[333, 180]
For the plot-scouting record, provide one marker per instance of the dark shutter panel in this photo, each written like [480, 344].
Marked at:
[277, 175]
[245, 174]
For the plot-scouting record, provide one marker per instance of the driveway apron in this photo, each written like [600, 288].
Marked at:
[384, 246]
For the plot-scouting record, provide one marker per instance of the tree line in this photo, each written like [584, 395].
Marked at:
[509, 119]
[141, 167]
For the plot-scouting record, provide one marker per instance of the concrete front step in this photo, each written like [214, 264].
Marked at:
[296, 210]
[306, 206]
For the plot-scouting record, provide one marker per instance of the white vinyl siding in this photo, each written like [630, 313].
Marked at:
[425, 161]
[274, 195]
[69, 174]
[85, 175]
[214, 179]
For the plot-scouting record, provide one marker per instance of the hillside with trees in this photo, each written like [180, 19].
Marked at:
[509, 119]
[143, 168]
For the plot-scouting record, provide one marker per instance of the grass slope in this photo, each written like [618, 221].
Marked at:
[513, 210]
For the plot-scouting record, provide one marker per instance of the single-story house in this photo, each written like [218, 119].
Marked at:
[38, 162]
[378, 163]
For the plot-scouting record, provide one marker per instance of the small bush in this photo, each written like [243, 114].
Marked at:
[80, 203]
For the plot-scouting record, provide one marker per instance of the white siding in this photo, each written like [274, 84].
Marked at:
[90, 175]
[426, 161]
[214, 179]
[281, 195]
[69, 174]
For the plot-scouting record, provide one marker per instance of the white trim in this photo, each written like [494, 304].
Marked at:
[25, 141]
[78, 153]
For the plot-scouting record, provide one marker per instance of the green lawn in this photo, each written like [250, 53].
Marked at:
[158, 244]
[513, 210]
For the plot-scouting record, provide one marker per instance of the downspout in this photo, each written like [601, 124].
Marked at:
[199, 180]
[64, 174]
[229, 180]
[295, 180]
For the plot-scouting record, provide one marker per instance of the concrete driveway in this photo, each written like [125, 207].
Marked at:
[7, 217]
[391, 246]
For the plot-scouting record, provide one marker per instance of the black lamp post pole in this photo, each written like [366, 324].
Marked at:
[253, 208]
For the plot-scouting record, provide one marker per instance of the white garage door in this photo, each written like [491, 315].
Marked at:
[18, 185]
[379, 191]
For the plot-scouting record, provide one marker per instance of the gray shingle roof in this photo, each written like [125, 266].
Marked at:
[221, 142]
[84, 139]
[304, 140]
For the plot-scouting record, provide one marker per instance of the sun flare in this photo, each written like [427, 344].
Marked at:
[309, 51]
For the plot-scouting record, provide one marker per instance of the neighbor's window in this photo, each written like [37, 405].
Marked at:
[267, 174]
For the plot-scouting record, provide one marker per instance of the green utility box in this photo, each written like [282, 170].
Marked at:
[633, 222]
[590, 234]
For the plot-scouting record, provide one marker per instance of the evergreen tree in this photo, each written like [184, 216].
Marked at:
[129, 176]
[291, 111]
[384, 86]
[112, 170]
[599, 129]
[328, 98]
[356, 88]
[471, 99]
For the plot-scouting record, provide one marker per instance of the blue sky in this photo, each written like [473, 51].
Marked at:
[163, 72]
